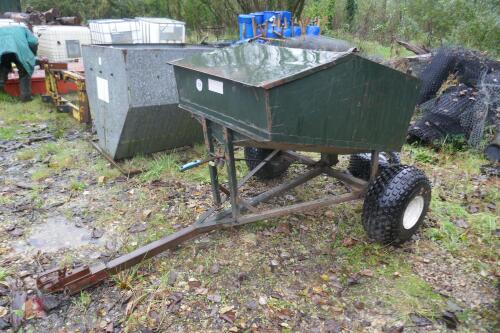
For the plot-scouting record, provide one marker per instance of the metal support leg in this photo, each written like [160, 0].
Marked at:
[374, 165]
[214, 179]
[231, 171]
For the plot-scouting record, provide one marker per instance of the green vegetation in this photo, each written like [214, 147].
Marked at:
[430, 22]
[77, 186]
[82, 301]
[3, 274]
[17, 118]
[325, 267]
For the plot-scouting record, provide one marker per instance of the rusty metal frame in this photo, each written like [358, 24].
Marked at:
[240, 212]
[55, 72]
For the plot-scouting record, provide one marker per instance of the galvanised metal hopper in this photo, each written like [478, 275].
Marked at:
[133, 98]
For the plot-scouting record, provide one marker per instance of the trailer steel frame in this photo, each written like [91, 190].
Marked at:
[242, 211]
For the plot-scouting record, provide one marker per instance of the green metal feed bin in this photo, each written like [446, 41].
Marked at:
[289, 99]
[332, 102]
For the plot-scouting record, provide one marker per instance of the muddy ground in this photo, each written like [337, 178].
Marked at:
[62, 204]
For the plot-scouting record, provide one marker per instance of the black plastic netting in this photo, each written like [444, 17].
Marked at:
[460, 110]
[470, 65]
[433, 76]
[485, 110]
[463, 109]
[441, 115]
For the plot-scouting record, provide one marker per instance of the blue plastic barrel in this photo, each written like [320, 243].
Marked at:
[272, 32]
[285, 15]
[313, 30]
[259, 17]
[268, 15]
[287, 32]
[297, 31]
[245, 26]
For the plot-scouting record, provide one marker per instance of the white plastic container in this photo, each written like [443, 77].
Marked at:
[162, 30]
[115, 31]
[6, 22]
[61, 43]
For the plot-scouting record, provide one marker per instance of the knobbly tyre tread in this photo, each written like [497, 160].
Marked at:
[360, 164]
[386, 200]
[273, 169]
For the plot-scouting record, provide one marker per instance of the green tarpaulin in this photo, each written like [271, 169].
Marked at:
[21, 42]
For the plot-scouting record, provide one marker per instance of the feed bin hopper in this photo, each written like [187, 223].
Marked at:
[283, 98]
[133, 98]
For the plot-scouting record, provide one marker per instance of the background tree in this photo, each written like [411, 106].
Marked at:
[351, 7]
[471, 23]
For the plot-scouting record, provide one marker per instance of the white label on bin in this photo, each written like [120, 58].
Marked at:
[199, 85]
[100, 61]
[216, 86]
[102, 89]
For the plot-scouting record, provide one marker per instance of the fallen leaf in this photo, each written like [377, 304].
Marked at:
[352, 280]
[137, 227]
[283, 228]
[226, 309]
[461, 223]
[33, 308]
[325, 277]
[97, 233]
[193, 283]
[450, 319]
[216, 298]
[317, 289]
[359, 305]
[201, 291]
[419, 320]
[473, 209]
[146, 213]
[214, 269]
[229, 316]
[395, 329]
[366, 272]
[348, 242]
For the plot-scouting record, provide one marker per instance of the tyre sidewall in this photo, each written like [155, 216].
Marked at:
[420, 187]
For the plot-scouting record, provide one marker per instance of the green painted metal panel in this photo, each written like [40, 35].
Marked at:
[239, 105]
[260, 65]
[308, 100]
[355, 104]
[10, 6]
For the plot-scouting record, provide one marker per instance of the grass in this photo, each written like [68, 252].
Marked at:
[16, 117]
[3, 274]
[103, 169]
[315, 241]
[162, 165]
[371, 48]
[77, 186]
[41, 173]
[82, 301]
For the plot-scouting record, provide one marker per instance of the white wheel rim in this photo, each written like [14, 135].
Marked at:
[413, 212]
